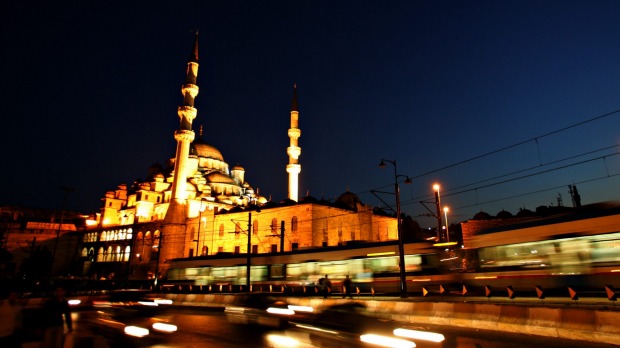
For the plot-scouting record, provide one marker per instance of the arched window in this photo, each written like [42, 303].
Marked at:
[100, 255]
[118, 256]
[147, 235]
[156, 239]
[139, 236]
[294, 224]
[108, 254]
[84, 252]
[127, 252]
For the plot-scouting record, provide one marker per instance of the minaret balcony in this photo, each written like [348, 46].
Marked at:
[183, 135]
[293, 168]
[188, 112]
[294, 133]
[191, 89]
[293, 151]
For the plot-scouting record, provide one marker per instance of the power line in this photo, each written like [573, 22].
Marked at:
[535, 139]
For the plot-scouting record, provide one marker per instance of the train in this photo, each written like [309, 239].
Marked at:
[583, 254]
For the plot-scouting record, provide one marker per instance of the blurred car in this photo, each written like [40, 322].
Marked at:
[133, 322]
[260, 309]
[352, 324]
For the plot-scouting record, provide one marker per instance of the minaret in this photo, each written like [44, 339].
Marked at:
[173, 236]
[184, 137]
[294, 168]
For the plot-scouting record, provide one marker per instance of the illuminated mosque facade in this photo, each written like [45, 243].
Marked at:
[197, 205]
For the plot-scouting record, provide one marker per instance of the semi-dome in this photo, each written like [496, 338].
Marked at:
[219, 178]
[202, 149]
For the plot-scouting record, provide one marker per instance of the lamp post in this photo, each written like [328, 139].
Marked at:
[401, 247]
[198, 253]
[445, 210]
[249, 256]
[438, 206]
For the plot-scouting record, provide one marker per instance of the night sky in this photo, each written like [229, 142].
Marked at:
[504, 103]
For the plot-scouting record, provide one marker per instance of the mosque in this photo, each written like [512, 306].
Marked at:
[197, 205]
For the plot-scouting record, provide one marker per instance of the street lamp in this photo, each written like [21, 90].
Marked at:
[438, 206]
[401, 248]
[445, 210]
[202, 208]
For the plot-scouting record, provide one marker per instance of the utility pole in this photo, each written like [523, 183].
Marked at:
[282, 236]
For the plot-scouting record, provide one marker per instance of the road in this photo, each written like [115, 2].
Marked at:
[209, 328]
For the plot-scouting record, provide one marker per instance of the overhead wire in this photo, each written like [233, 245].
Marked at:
[541, 164]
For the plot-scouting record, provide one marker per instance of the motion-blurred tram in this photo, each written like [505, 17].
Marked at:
[370, 265]
[581, 253]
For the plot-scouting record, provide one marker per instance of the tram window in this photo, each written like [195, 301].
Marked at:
[293, 271]
[259, 273]
[277, 271]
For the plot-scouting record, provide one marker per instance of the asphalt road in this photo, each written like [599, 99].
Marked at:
[209, 328]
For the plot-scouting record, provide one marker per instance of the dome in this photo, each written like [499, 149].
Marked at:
[349, 200]
[525, 213]
[201, 149]
[238, 167]
[482, 216]
[220, 178]
[287, 201]
[504, 215]
[308, 199]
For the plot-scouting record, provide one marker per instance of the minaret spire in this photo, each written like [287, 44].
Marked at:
[294, 168]
[184, 136]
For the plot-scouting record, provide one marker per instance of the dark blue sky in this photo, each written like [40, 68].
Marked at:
[89, 91]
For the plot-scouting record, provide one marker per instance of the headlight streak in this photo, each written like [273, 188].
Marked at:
[163, 301]
[148, 303]
[309, 327]
[164, 327]
[235, 309]
[301, 308]
[385, 341]
[419, 335]
[74, 302]
[136, 331]
[282, 341]
[280, 311]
